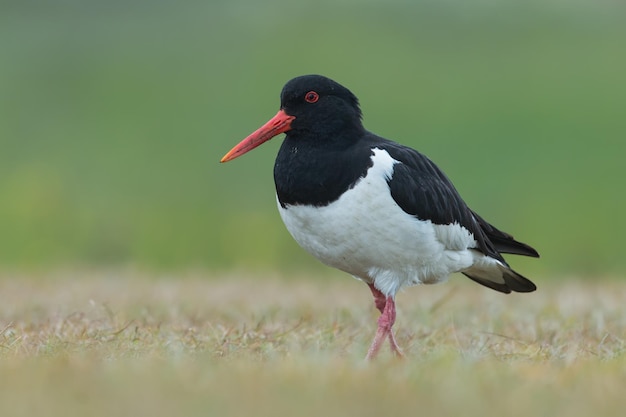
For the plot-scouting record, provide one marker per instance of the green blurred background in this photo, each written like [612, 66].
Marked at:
[114, 115]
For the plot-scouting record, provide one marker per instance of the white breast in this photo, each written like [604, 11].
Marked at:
[366, 234]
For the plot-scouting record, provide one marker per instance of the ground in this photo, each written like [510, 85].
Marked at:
[128, 343]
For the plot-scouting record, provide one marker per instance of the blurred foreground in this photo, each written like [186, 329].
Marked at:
[129, 344]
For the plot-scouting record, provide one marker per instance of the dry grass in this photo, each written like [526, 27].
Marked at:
[77, 344]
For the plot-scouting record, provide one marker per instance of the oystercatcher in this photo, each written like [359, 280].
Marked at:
[373, 208]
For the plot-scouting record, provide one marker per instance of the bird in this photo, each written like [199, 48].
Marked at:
[373, 208]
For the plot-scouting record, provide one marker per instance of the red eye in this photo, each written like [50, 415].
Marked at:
[311, 97]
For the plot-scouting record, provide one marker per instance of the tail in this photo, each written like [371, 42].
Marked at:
[490, 269]
[501, 278]
[504, 242]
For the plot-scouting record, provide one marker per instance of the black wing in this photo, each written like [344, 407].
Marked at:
[421, 189]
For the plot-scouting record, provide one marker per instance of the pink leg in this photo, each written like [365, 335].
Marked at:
[387, 308]
[379, 298]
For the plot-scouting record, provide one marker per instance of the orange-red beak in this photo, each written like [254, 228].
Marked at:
[278, 124]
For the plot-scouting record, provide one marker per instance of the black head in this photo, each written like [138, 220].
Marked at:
[313, 108]
[320, 106]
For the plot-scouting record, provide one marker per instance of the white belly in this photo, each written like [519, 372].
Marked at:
[366, 234]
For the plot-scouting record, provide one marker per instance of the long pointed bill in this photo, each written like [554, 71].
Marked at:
[278, 124]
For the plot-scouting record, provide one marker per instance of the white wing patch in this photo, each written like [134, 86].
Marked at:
[454, 236]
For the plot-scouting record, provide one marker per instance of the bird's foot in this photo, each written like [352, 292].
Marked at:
[381, 335]
[385, 324]
[394, 345]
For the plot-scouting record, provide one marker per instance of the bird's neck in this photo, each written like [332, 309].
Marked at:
[315, 171]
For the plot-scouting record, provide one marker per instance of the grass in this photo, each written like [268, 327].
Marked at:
[126, 343]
